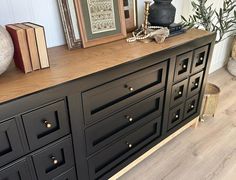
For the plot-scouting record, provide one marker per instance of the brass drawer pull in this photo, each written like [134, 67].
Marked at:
[129, 118]
[47, 124]
[54, 160]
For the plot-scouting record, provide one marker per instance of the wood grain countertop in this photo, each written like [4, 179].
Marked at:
[70, 65]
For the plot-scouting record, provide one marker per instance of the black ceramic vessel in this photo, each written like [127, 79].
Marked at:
[162, 13]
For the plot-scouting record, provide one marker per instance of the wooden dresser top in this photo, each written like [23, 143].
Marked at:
[70, 65]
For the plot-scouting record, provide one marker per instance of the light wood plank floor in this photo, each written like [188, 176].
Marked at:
[205, 153]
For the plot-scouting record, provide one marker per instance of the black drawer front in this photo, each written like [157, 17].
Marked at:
[176, 115]
[16, 171]
[104, 100]
[10, 142]
[183, 66]
[107, 159]
[191, 106]
[46, 124]
[68, 175]
[54, 160]
[195, 84]
[115, 126]
[179, 92]
[200, 59]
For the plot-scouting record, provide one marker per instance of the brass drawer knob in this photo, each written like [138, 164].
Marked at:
[54, 160]
[129, 145]
[47, 124]
[130, 119]
[131, 89]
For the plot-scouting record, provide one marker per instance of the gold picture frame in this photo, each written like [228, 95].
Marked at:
[70, 23]
[95, 31]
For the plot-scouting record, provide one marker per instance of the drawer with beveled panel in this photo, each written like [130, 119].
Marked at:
[195, 84]
[10, 142]
[183, 66]
[191, 106]
[179, 92]
[200, 59]
[103, 161]
[54, 160]
[176, 115]
[109, 98]
[46, 124]
[106, 131]
[16, 171]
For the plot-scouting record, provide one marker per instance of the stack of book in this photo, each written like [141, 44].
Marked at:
[30, 46]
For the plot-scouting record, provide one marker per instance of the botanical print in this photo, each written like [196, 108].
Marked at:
[102, 15]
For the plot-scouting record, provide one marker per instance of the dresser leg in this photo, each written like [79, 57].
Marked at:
[195, 122]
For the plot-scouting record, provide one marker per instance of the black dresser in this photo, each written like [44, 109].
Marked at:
[93, 126]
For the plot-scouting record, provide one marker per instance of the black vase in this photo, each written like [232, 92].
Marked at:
[162, 13]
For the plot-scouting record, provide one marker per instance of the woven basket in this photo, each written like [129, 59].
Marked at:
[210, 101]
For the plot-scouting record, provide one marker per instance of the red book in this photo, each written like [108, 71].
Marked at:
[21, 54]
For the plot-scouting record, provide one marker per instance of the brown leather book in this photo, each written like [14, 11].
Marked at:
[41, 43]
[21, 54]
[33, 49]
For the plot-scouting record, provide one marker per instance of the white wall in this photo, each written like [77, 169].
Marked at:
[45, 12]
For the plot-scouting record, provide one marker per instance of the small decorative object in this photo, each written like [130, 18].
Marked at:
[232, 66]
[100, 21]
[162, 13]
[223, 22]
[70, 23]
[6, 50]
[130, 8]
[210, 101]
[147, 33]
[234, 49]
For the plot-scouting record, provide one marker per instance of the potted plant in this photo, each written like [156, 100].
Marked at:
[223, 21]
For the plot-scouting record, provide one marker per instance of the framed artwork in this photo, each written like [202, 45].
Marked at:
[131, 20]
[100, 21]
[70, 23]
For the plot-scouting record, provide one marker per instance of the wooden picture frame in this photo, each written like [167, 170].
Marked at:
[70, 23]
[95, 31]
[131, 17]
